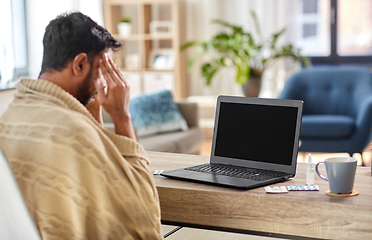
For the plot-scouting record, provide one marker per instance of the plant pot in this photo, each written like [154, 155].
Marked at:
[253, 87]
[124, 29]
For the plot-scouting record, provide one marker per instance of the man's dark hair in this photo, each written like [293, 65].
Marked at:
[70, 34]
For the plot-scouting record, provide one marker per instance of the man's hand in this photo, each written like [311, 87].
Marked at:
[116, 101]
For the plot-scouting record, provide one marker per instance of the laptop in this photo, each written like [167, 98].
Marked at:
[255, 143]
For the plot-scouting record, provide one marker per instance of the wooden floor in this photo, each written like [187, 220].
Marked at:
[302, 156]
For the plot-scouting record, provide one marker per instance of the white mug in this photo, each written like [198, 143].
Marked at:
[341, 174]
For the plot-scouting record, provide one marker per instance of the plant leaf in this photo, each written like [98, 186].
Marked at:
[257, 25]
[275, 38]
[189, 44]
[209, 69]
[236, 29]
[242, 73]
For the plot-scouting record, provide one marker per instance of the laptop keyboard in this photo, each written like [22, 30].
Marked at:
[238, 172]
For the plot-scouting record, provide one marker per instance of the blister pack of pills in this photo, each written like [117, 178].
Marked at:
[281, 189]
[303, 188]
[158, 172]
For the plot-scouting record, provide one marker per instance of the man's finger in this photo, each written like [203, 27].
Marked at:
[117, 72]
[100, 96]
[106, 75]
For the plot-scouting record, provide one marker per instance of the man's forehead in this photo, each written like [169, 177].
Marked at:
[101, 55]
[107, 52]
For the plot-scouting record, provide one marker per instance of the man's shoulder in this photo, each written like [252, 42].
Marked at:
[50, 115]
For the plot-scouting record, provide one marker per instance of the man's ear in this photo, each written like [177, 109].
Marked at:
[80, 64]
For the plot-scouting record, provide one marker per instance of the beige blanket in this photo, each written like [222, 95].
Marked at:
[79, 180]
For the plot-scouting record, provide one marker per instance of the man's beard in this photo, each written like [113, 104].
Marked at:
[83, 94]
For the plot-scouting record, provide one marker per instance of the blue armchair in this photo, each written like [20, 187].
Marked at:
[337, 115]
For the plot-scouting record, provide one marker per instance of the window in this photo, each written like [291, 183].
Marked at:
[333, 31]
[13, 45]
[308, 27]
[354, 28]
[309, 30]
[310, 6]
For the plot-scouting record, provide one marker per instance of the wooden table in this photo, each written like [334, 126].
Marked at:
[309, 214]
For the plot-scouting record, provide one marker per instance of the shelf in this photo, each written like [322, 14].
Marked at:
[141, 46]
[158, 36]
[145, 70]
[131, 69]
[132, 37]
[138, 37]
[158, 70]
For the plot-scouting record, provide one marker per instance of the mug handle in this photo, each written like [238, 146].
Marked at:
[317, 171]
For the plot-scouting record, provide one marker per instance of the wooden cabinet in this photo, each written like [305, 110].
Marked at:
[152, 49]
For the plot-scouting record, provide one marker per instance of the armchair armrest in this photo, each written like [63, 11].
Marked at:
[190, 112]
[364, 116]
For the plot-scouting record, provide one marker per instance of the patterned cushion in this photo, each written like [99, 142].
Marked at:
[156, 112]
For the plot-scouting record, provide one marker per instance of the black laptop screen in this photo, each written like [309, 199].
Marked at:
[256, 132]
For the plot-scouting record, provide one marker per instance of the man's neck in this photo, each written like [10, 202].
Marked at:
[61, 79]
[50, 77]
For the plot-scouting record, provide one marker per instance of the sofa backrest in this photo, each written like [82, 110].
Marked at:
[333, 90]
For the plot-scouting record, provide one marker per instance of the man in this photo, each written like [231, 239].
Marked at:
[79, 180]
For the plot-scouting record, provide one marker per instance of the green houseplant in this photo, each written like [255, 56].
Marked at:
[125, 19]
[124, 27]
[240, 50]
